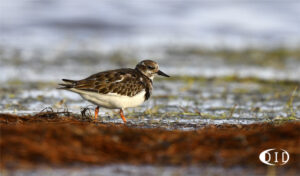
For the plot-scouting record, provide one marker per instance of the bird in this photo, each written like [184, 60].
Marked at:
[117, 89]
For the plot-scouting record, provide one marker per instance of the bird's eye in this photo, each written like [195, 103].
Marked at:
[150, 67]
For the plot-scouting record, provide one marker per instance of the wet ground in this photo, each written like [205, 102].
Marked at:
[180, 102]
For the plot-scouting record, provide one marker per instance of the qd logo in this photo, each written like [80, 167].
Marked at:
[273, 157]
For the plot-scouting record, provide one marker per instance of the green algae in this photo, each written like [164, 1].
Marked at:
[273, 57]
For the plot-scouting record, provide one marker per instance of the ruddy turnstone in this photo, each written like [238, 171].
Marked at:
[117, 89]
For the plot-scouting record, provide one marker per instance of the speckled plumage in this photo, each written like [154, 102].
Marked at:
[117, 89]
[127, 82]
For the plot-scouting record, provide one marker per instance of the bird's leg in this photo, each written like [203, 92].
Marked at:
[96, 112]
[122, 116]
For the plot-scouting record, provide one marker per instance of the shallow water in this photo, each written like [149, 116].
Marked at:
[131, 170]
[116, 23]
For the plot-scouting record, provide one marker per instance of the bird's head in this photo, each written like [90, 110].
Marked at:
[149, 68]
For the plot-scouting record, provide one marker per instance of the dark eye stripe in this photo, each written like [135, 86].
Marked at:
[150, 67]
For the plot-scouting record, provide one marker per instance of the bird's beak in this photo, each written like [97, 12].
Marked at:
[162, 73]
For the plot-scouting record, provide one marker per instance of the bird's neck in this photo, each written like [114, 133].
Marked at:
[144, 75]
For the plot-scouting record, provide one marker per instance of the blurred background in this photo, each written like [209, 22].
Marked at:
[230, 61]
[42, 34]
[43, 41]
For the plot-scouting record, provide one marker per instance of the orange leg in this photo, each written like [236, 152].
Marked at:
[96, 112]
[122, 116]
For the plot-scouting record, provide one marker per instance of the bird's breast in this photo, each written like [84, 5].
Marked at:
[113, 100]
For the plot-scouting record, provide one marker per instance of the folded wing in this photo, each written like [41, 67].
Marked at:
[122, 82]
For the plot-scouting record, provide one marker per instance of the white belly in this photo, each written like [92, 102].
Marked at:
[112, 100]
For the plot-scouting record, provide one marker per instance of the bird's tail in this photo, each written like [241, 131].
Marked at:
[68, 84]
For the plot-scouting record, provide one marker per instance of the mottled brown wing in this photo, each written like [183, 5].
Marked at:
[122, 81]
